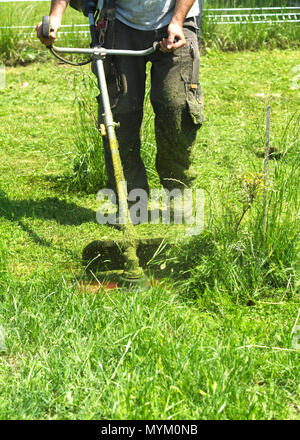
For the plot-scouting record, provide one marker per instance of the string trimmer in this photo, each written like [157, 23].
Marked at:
[127, 250]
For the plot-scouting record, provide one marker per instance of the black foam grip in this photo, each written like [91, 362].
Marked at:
[46, 26]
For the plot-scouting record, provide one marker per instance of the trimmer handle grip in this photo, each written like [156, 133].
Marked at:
[156, 45]
[46, 26]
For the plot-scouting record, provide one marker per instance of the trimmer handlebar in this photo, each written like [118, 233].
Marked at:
[101, 51]
[98, 50]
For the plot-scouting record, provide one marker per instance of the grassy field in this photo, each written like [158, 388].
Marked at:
[211, 341]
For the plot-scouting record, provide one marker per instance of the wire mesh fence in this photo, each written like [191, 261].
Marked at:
[217, 11]
[251, 4]
[255, 11]
[219, 20]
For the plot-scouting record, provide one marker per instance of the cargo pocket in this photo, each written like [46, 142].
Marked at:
[195, 102]
[190, 64]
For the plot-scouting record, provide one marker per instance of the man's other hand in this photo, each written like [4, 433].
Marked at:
[175, 40]
[55, 23]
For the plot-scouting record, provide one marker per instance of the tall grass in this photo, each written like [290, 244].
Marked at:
[248, 263]
[15, 45]
[148, 142]
[141, 356]
[249, 36]
[89, 173]
[20, 46]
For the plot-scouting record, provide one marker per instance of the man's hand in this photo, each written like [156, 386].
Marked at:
[55, 22]
[175, 40]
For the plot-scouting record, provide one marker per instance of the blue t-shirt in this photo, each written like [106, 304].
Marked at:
[147, 15]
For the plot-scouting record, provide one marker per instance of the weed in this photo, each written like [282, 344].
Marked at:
[89, 166]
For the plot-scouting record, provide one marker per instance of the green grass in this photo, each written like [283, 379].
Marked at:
[213, 340]
[143, 356]
[248, 36]
[234, 37]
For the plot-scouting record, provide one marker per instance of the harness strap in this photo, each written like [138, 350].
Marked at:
[110, 16]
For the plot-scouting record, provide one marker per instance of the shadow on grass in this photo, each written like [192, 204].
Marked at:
[50, 208]
[67, 184]
[62, 184]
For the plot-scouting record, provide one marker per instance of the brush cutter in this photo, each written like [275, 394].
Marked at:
[111, 254]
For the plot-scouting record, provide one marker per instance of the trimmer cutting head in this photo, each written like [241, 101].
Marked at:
[108, 255]
[106, 259]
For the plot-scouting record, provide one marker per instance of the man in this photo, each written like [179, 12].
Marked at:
[175, 89]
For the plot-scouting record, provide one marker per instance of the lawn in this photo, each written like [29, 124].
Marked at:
[211, 341]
